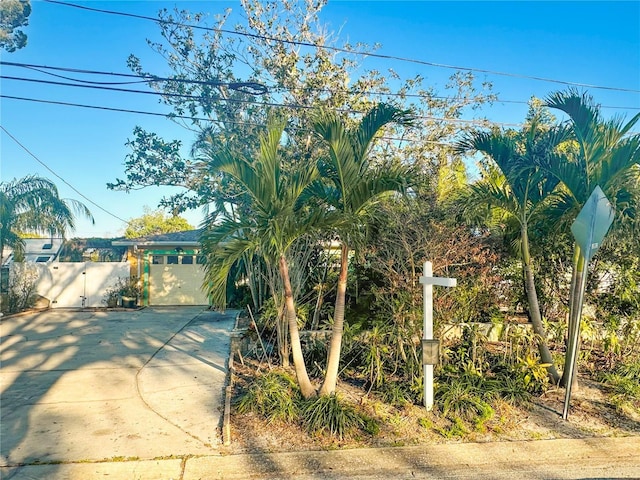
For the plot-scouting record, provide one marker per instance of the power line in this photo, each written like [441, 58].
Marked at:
[183, 117]
[146, 92]
[80, 80]
[231, 100]
[201, 119]
[345, 50]
[62, 179]
[421, 96]
[126, 110]
[149, 79]
[251, 88]
[233, 122]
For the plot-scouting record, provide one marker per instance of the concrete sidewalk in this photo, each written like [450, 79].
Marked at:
[596, 458]
[83, 386]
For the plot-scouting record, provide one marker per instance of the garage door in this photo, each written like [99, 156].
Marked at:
[176, 280]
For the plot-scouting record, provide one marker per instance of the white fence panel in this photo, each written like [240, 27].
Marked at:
[65, 284]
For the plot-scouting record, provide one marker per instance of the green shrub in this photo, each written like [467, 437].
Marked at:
[395, 394]
[315, 356]
[371, 425]
[21, 290]
[273, 395]
[124, 287]
[271, 313]
[630, 370]
[328, 413]
[462, 400]
[457, 429]
[376, 350]
[624, 383]
[512, 390]
[533, 374]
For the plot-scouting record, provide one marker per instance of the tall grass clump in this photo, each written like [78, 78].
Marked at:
[273, 395]
[624, 382]
[328, 413]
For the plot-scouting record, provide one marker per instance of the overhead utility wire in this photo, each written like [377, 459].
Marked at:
[234, 100]
[424, 96]
[251, 88]
[344, 50]
[281, 105]
[38, 68]
[147, 92]
[62, 179]
[182, 117]
[79, 80]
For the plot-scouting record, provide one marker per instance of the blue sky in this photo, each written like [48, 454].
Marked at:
[596, 43]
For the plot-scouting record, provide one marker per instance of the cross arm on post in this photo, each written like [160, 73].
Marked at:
[439, 281]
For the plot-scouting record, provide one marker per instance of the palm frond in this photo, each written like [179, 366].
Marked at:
[579, 107]
[273, 214]
[373, 122]
[33, 204]
[625, 155]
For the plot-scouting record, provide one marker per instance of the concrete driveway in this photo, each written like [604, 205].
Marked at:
[81, 386]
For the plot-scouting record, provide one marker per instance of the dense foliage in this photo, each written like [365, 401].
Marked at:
[324, 203]
[32, 205]
[14, 15]
[155, 222]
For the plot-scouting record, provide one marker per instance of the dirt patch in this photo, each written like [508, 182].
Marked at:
[591, 415]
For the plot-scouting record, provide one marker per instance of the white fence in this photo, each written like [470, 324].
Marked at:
[66, 284]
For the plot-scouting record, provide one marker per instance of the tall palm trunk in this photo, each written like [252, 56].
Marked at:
[282, 335]
[573, 322]
[250, 270]
[306, 388]
[534, 308]
[333, 356]
[320, 299]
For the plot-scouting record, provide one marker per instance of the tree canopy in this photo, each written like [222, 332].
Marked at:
[14, 14]
[32, 205]
[298, 80]
[280, 202]
[155, 222]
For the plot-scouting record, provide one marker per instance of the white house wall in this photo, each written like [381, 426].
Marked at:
[176, 285]
[64, 284]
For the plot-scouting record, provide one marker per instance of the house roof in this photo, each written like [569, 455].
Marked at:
[187, 238]
[94, 249]
[40, 250]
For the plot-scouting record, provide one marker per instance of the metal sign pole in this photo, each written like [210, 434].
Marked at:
[589, 229]
[574, 347]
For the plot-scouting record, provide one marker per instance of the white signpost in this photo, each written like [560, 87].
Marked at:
[428, 281]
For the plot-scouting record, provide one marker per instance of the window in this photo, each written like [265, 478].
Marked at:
[187, 260]
[201, 259]
[172, 259]
[47, 246]
[43, 259]
[157, 259]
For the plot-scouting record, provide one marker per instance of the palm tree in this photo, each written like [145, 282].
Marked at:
[274, 220]
[32, 205]
[351, 186]
[516, 194]
[606, 155]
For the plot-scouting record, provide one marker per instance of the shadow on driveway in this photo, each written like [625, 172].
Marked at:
[93, 385]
